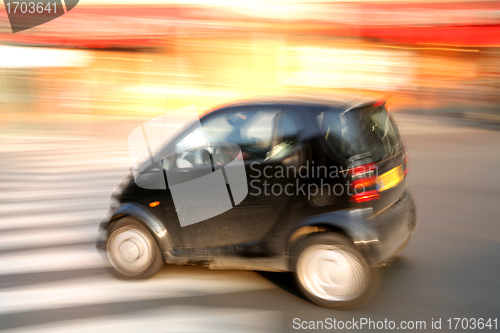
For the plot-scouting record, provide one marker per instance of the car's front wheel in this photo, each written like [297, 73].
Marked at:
[330, 272]
[132, 251]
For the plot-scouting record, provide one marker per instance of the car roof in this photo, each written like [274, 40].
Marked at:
[341, 102]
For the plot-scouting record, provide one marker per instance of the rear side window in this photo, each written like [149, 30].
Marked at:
[286, 136]
[380, 133]
[360, 132]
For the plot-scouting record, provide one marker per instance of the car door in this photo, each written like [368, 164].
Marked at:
[215, 164]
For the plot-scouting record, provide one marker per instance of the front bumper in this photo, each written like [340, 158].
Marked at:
[102, 233]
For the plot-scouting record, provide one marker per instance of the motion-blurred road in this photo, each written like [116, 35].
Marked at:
[54, 191]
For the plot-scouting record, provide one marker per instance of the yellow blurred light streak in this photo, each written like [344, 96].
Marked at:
[418, 48]
[149, 73]
[113, 58]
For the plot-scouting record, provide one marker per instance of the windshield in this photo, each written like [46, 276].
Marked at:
[361, 132]
[147, 140]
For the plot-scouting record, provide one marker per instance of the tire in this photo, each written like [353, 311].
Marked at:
[132, 251]
[330, 272]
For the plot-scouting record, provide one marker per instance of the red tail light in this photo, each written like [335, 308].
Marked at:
[364, 178]
[363, 169]
[365, 196]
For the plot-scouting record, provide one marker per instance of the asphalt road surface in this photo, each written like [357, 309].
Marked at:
[55, 190]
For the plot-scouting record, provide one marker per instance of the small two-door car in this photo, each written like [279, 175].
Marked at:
[323, 196]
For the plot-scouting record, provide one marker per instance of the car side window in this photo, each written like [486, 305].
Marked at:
[287, 136]
[192, 150]
[251, 130]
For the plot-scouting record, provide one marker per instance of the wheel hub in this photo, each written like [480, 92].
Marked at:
[129, 251]
[332, 273]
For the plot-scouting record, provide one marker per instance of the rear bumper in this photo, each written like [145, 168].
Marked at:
[392, 230]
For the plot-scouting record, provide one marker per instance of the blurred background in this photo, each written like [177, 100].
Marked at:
[72, 89]
[120, 60]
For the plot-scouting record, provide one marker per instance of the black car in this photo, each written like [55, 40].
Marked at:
[316, 187]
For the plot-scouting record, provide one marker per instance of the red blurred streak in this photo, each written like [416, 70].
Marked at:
[365, 196]
[84, 43]
[362, 169]
[462, 5]
[460, 35]
[482, 35]
[109, 14]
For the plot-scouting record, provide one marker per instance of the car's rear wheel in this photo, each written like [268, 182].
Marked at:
[330, 272]
[132, 251]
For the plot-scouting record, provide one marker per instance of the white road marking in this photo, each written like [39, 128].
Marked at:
[106, 289]
[56, 169]
[171, 319]
[73, 204]
[51, 194]
[106, 184]
[19, 239]
[52, 259]
[53, 219]
[63, 183]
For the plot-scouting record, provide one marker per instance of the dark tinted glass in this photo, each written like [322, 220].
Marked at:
[363, 132]
[252, 131]
[286, 138]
